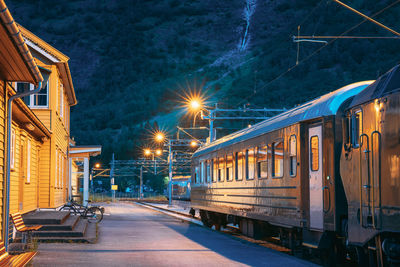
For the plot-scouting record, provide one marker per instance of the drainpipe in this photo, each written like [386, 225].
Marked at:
[8, 164]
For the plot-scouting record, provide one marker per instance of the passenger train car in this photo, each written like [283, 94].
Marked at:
[324, 174]
[180, 188]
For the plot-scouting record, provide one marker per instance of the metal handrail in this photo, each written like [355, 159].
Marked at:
[329, 198]
[360, 173]
[373, 173]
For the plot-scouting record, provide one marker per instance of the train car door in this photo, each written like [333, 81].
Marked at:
[315, 171]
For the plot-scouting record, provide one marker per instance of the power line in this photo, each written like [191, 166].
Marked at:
[317, 51]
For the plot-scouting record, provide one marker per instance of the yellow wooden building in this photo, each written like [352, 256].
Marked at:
[52, 107]
[16, 64]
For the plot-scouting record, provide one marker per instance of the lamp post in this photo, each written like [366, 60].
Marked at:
[197, 106]
[96, 166]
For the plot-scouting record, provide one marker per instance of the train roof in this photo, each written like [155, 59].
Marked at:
[384, 85]
[325, 105]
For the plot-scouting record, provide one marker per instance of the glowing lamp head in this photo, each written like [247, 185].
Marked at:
[147, 152]
[193, 144]
[159, 137]
[158, 152]
[97, 165]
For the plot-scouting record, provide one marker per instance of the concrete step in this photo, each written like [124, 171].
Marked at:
[68, 225]
[90, 236]
[46, 217]
[78, 231]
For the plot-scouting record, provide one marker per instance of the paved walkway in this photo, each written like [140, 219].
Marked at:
[136, 236]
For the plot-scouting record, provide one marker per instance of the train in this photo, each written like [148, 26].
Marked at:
[180, 188]
[322, 175]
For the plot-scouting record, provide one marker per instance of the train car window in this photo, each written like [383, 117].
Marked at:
[346, 132]
[262, 163]
[202, 172]
[215, 170]
[251, 163]
[277, 159]
[221, 168]
[239, 165]
[356, 128]
[196, 175]
[208, 170]
[229, 167]
[314, 155]
[293, 155]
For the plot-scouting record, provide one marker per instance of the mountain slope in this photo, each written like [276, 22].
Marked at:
[130, 59]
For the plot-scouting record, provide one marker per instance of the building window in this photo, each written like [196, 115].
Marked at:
[314, 155]
[293, 155]
[250, 164]
[12, 154]
[262, 163]
[38, 100]
[28, 161]
[61, 101]
[277, 159]
[57, 167]
[229, 167]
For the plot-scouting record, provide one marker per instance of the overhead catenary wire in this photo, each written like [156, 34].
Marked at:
[317, 51]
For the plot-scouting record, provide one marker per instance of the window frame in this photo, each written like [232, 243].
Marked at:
[311, 154]
[258, 162]
[214, 177]
[273, 153]
[28, 160]
[31, 98]
[12, 148]
[353, 127]
[242, 158]
[208, 171]
[291, 173]
[229, 178]
[221, 169]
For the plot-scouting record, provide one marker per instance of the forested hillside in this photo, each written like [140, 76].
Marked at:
[131, 59]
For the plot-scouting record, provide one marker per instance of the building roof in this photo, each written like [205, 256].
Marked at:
[56, 57]
[325, 105]
[16, 61]
[85, 151]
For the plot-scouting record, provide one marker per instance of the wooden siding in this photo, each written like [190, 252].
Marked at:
[52, 193]
[27, 199]
[2, 150]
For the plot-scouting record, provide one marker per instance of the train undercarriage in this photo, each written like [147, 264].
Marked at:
[333, 250]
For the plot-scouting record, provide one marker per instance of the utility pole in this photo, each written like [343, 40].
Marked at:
[112, 177]
[232, 114]
[141, 182]
[169, 173]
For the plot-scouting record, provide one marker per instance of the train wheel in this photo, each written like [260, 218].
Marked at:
[205, 218]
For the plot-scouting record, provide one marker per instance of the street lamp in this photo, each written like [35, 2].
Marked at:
[160, 137]
[193, 144]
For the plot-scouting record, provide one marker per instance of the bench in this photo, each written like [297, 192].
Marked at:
[14, 260]
[20, 225]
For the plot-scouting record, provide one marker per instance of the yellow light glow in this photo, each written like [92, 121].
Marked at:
[147, 152]
[159, 137]
[193, 144]
[195, 104]
[158, 152]
[97, 165]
